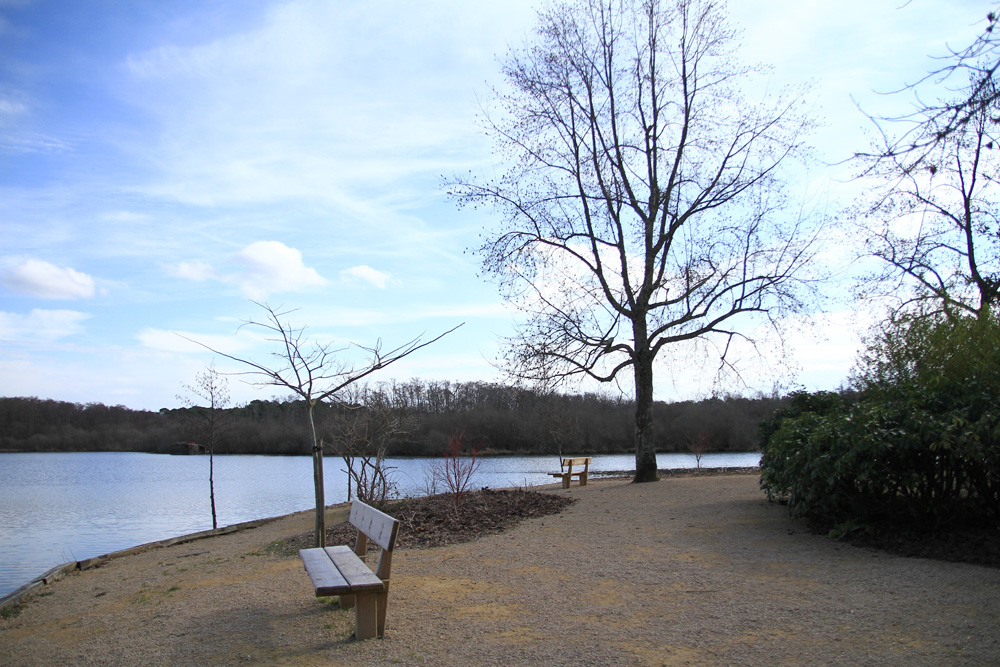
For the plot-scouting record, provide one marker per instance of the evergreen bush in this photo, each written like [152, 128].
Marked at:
[918, 446]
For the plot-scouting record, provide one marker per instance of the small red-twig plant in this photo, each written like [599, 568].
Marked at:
[454, 472]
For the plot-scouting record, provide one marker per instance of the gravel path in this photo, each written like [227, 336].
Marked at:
[688, 571]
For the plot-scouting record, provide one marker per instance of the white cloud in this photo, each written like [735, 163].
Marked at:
[196, 270]
[48, 281]
[41, 325]
[273, 267]
[10, 107]
[268, 267]
[367, 274]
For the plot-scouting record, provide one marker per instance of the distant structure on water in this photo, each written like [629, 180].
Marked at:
[188, 448]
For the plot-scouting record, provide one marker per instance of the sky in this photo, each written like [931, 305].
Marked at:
[164, 165]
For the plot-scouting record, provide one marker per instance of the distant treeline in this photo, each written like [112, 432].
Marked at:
[496, 418]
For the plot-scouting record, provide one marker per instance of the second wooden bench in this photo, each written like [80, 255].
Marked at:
[567, 470]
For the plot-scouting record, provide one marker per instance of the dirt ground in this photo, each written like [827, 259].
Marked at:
[687, 571]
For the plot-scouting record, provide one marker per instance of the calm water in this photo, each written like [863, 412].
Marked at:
[56, 508]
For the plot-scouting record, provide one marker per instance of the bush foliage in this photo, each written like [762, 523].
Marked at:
[918, 443]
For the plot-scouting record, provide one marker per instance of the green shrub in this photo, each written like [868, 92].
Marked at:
[919, 445]
[927, 350]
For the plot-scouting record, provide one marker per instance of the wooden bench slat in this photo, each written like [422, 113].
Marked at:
[326, 578]
[378, 526]
[354, 570]
[338, 571]
[577, 461]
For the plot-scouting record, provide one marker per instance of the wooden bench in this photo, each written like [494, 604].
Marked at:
[342, 571]
[567, 470]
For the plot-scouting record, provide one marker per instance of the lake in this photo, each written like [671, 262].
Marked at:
[60, 507]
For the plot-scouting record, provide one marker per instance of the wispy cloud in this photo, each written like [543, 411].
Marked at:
[366, 274]
[10, 107]
[196, 270]
[326, 101]
[41, 279]
[39, 324]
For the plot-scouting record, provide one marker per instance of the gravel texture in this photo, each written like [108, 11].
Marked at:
[687, 571]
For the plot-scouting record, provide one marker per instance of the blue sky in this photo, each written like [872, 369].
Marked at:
[162, 164]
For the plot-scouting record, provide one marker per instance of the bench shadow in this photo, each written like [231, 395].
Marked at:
[260, 634]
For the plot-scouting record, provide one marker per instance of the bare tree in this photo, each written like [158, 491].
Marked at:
[315, 372]
[563, 426]
[366, 425]
[213, 389]
[642, 194]
[934, 222]
[974, 68]
[454, 472]
[698, 445]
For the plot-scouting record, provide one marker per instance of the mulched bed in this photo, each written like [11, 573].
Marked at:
[435, 521]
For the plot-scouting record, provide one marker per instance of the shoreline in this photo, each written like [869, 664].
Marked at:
[56, 573]
[14, 598]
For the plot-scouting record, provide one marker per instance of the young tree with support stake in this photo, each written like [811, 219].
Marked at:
[642, 195]
[315, 372]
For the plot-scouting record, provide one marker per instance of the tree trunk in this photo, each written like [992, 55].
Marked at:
[349, 460]
[317, 454]
[645, 443]
[211, 462]
[211, 483]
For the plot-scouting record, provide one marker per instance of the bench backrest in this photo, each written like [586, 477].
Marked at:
[579, 461]
[378, 527]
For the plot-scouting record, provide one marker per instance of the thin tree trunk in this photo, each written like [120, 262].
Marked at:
[211, 459]
[211, 484]
[318, 483]
[350, 477]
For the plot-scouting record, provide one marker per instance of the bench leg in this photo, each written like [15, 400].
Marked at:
[365, 616]
[566, 481]
[583, 479]
[381, 601]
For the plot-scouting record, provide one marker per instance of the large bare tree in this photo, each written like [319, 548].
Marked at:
[933, 220]
[642, 194]
[315, 371]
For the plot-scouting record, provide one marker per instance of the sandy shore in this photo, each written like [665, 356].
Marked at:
[689, 571]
